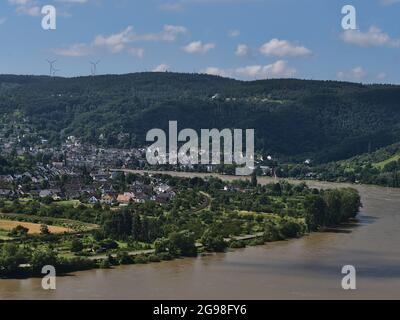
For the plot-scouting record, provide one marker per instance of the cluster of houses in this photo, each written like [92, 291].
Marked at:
[17, 136]
[57, 173]
[45, 178]
[101, 191]
[76, 154]
[138, 193]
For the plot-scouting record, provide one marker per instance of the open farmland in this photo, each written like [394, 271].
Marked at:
[34, 228]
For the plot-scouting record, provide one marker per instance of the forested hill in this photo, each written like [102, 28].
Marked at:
[295, 119]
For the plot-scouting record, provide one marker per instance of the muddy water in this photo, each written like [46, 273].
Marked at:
[307, 268]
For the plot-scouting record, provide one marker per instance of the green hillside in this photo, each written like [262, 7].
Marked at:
[294, 119]
[381, 167]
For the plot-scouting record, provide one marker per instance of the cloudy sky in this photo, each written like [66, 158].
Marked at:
[243, 39]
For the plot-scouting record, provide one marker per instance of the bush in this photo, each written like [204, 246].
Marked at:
[76, 245]
[213, 242]
[154, 258]
[74, 264]
[124, 258]
[19, 231]
[44, 229]
[257, 242]
[105, 264]
[141, 259]
[42, 258]
[108, 244]
[165, 256]
[237, 244]
[112, 261]
[271, 232]
[182, 243]
[291, 228]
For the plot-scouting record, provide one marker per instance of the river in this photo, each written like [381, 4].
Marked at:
[306, 268]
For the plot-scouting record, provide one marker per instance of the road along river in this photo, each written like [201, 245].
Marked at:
[307, 268]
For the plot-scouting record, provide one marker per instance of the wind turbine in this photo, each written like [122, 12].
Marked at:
[94, 67]
[51, 64]
[55, 71]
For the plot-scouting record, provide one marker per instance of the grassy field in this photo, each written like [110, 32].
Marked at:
[73, 225]
[4, 235]
[34, 228]
[381, 165]
[69, 203]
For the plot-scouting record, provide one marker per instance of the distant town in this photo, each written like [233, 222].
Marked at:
[81, 171]
[74, 171]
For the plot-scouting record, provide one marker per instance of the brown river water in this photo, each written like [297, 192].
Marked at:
[306, 268]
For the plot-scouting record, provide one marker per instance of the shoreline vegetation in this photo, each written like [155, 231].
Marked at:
[207, 215]
[378, 168]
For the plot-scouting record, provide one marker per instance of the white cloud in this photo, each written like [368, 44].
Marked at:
[389, 2]
[115, 42]
[198, 47]
[26, 7]
[374, 37]
[20, 2]
[359, 74]
[279, 69]
[355, 74]
[234, 33]
[171, 7]
[76, 50]
[161, 68]
[118, 42]
[180, 5]
[171, 32]
[381, 76]
[214, 71]
[137, 52]
[30, 11]
[284, 48]
[242, 50]
[74, 1]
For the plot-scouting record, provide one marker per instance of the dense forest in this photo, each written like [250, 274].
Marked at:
[294, 119]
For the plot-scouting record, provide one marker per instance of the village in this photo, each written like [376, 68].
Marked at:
[73, 171]
[36, 168]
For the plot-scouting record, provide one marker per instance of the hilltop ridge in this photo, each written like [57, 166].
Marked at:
[294, 119]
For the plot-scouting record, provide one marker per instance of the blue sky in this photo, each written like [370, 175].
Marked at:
[244, 39]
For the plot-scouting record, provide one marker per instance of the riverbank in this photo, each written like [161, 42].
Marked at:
[233, 217]
[261, 180]
[306, 268]
[134, 257]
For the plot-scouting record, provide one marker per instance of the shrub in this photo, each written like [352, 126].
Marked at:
[19, 231]
[105, 264]
[257, 242]
[237, 244]
[154, 258]
[165, 256]
[213, 242]
[124, 258]
[76, 245]
[141, 259]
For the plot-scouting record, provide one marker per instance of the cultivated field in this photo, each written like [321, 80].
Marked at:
[34, 228]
